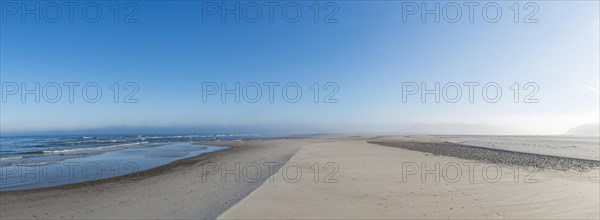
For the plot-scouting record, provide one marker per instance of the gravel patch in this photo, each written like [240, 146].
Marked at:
[495, 156]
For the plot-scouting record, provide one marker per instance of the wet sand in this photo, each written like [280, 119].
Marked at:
[174, 191]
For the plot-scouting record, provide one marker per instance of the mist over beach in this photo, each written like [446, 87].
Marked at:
[299, 110]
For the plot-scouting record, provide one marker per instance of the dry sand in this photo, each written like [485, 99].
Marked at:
[355, 179]
[370, 185]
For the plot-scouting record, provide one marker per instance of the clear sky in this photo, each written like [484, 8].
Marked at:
[363, 50]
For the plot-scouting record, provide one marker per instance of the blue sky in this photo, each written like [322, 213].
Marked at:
[170, 51]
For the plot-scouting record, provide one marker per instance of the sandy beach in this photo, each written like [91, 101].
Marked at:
[328, 178]
[175, 191]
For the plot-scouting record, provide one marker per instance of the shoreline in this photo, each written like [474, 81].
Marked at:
[155, 171]
[461, 152]
[150, 190]
[369, 183]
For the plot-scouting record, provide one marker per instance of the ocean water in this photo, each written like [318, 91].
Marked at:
[39, 162]
[579, 147]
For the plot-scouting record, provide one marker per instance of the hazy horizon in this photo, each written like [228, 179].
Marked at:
[416, 129]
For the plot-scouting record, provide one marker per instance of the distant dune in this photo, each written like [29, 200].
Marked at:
[586, 129]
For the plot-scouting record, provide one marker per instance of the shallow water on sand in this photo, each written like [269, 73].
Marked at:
[39, 162]
[99, 166]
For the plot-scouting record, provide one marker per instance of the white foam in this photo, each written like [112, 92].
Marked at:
[91, 148]
[11, 158]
